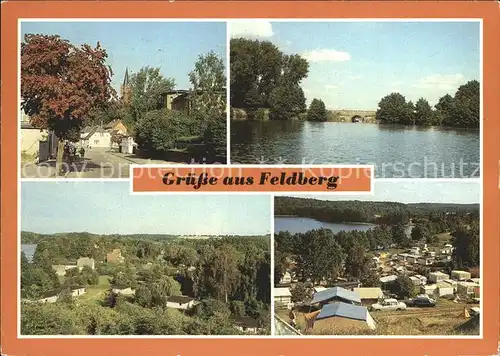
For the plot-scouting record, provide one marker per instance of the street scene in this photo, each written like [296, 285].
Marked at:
[93, 103]
[98, 162]
[405, 262]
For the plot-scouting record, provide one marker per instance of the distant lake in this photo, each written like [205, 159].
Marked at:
[29, 251]
[396, 151]
[296, 224]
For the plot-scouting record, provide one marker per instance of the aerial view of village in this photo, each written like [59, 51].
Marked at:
[98, 261]
[357, 92]
[405, 261]
[99, 96]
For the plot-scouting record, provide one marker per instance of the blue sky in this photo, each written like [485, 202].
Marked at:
[172, 46]
[108, 208]
[354, 64]
[418, 191]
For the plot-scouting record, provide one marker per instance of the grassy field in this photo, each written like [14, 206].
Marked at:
[444, 319]
[444, 238]
[95, 294]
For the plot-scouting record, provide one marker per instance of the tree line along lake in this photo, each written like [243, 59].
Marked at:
[300, 225]
[396, 151]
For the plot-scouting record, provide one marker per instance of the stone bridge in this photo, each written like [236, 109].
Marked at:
[351, 115]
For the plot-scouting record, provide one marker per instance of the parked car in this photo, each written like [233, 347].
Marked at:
[389, 304]
[475, 311]
[422, 301]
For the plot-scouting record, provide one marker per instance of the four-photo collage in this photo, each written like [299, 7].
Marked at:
[98, 97]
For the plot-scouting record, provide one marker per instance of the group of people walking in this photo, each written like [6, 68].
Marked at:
[70, 152]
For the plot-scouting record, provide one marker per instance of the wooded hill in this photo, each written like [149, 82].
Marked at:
[28, 237]
[364, 211]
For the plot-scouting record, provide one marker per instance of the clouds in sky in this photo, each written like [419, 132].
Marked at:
[251, 29]
[353, 65]
[441, 82]
[326, 55]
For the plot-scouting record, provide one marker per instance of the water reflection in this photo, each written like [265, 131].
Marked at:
[396, 151]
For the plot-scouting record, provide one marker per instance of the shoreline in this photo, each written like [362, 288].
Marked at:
[367, 123]
[330, 222]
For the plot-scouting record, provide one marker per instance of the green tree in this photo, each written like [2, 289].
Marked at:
[217, 273]
[466, 242]
[393, 109]
[208, 92]
[286, 101]
[237, 308]
[424, 115]
[49, 319]
[65, 296]
[144, 296]
[318, 255]
[399, 235]
[61, 83]
[445, 110]
[370, 279]
[263, 77]
[215, 137]
[403, 287]
[294, 68]
[158, 130]
[356, 263]
[255, 70]
[317, 111]
[124, 276]
[147, 86]
[467, 104]
[300, 293]
[420, 232]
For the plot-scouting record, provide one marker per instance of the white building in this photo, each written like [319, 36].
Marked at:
[123, 290]
[60, 270]
[388, 279]
[127, 145]
[447, 250]
[423, 280]
[428, 289]
[467, 288]
[247, 325]
[180, 302]
[435, 277]
[48, 298]
[75, 292]
[286, 279]
[450, 283]
[416, 281]
[95, 136]
[425, 261]
[85, 262]
[444, 289]
[283, 297]
[414, 251]
[460, 275]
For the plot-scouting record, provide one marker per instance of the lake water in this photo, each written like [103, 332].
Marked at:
[29, 251]
[396, 151]
[295, 225]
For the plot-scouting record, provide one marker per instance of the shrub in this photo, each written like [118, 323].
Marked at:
[157, 131]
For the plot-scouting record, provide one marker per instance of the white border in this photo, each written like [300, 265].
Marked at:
[479, 180]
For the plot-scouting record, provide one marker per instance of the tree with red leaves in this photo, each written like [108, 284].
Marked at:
[61, 83]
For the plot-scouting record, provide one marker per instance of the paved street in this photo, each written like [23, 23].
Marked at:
[97, 163]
